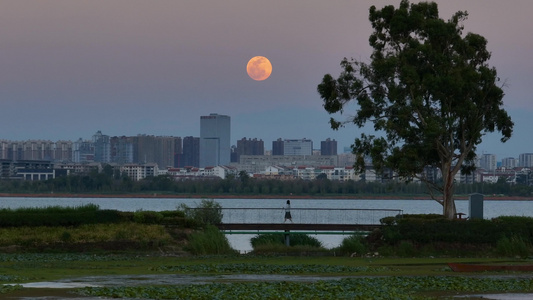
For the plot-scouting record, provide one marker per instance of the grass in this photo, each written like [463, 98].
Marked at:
[91, 233]
[31, 267]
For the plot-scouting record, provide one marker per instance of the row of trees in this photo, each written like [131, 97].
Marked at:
[108, 182]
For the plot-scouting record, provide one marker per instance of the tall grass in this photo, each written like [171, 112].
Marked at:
[513, 246]
[209, 241]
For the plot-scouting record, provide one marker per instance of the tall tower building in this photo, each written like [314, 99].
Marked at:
[190, 156]
[102, 147]
[121, 149]
[488, 162]
[525, 160]
[328, 147]
[277, 147]
[215, 146]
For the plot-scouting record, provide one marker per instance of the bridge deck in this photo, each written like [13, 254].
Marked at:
[297, 226]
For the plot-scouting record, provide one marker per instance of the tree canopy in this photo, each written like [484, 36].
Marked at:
[429, 93]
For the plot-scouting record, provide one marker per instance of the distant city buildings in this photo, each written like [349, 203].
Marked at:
[277, 147]
[328, 147]
[248, 147]
[509, 162]
[211, 155]
[190, 156]
[525, 160]
[215, 140]
[298, 147]
[488, 162]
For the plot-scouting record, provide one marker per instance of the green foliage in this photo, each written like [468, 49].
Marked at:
[353, 244]
[251, 186]
[209, 241]
[511, 236]
[4, 289]
[406, 249]
[256, 268]
[513, 246]
[59, 216]
[58, 238]
[414, 287]
[207, 212]
[147, 217]
[296, 239]
[428, 91]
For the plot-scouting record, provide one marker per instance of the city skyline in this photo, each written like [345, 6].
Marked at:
[71, 68]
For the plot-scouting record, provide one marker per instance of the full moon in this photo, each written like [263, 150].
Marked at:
[259, 68]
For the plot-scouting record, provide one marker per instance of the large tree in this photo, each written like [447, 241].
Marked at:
[428, 91]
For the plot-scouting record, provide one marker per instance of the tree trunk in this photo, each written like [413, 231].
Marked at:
[448, 204]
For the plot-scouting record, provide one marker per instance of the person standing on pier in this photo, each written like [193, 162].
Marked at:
[288, 211]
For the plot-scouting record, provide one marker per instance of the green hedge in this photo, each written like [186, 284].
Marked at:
[422, 229]
[60, 216]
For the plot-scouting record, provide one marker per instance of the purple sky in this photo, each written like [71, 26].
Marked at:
[71, 68]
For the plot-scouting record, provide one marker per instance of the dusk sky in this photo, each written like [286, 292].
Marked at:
[126, 67]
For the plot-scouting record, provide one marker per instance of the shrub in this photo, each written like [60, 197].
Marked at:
[58, 216]
[514, 246]
[297, 239]
[406, 249]
[147, 217]
[207, 212]
[353, 244]
[209, 241]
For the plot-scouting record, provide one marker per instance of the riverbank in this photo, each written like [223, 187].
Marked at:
[219, 196]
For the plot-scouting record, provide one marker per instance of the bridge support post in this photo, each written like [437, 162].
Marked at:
[287, 238]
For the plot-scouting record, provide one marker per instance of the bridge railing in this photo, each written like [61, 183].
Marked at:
[307, 215]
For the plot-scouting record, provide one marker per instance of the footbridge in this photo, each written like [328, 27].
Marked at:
[304, 220]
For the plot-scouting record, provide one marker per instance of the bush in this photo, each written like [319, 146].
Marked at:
[147, 217]
[209, 241]
[353, 244]
[406, 249]
[207, 212]
[514, 246]
[58, 216]
[297, 239]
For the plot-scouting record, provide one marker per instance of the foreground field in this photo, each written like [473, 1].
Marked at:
[248, 277]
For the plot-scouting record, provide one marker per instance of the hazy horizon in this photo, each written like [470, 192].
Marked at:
[128, 67]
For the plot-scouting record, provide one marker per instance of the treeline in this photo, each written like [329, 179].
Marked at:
[110, 182]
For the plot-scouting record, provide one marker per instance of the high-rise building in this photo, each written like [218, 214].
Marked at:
[249, 147]
[83, 151]
[328, 147]
[488, 162]
[190, 156]
[63, 151]
[121, 150]
[298, 147]
[215, 144]
[102, 147]
[155, 149]
[509, 162]
[277, 147]
[525, 160]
